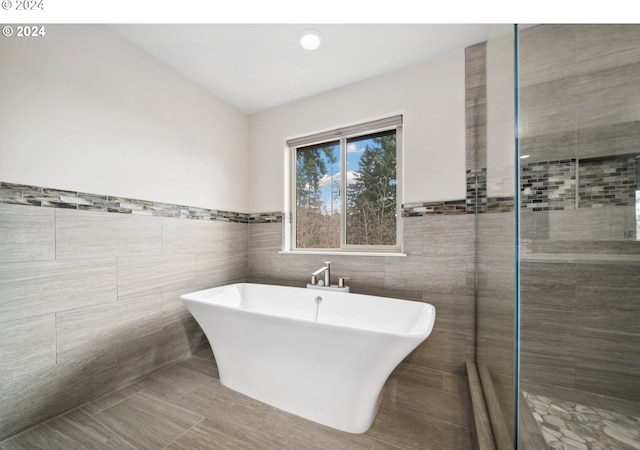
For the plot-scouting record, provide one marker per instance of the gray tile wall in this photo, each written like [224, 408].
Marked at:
[494, 254]
[580, 282]
[579, 106]
[104, 275]
[89, 300]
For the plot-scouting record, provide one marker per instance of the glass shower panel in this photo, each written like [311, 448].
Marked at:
[491, 113]
[579, 128]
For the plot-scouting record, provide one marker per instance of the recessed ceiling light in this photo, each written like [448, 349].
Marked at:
[310, 39]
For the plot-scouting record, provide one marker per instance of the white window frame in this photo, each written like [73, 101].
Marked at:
[342, 134]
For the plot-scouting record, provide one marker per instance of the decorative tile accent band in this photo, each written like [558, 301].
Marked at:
[548, 185]
[608, 180]
[500, 204]
[545, 185]
[476, 191]
[585, 183]
[274, 217]
[432, 208]
[20, 194]
[562, 184]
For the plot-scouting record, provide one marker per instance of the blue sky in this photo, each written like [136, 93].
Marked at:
[354, 153]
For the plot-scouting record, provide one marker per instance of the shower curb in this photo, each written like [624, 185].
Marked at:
[481, 424]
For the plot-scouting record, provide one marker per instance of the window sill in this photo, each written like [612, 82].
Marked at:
[344, 253]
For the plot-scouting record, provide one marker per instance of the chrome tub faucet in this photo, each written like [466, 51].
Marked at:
[326, 269]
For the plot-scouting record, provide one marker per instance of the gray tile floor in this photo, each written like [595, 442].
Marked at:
[184, 406]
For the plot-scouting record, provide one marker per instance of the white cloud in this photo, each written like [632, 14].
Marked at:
[353, 148]
[327, 180]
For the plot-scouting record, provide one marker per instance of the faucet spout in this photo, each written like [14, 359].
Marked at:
[326, 269]
[319, 271]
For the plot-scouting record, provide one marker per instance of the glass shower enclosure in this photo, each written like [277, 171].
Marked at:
[557, 233]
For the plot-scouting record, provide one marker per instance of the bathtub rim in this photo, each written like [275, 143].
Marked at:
[428, 310]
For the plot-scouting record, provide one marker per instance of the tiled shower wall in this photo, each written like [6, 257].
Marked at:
[580, 260]
[89, 299]
[579, 103]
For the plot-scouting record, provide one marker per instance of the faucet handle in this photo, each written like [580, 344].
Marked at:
[341, 281]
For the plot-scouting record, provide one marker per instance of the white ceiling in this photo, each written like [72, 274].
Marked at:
[260, 66]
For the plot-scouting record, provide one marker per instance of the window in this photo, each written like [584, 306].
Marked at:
[345, 194]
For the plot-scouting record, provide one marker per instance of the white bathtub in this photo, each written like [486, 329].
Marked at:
[269, 345]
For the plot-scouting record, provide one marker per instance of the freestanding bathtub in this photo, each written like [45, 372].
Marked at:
[321, 355]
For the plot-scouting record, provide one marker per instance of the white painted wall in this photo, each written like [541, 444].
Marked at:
[431, 95]
[82, 109]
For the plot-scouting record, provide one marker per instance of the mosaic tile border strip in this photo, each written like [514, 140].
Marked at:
[566, 424]
[611, 180]
[500, 204]
[20, 194]
[434, 208]
[588, 182]
[274, 217]
[476, 191]
[562, 184]
[548, 185]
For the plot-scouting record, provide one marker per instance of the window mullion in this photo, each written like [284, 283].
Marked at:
[343, 192]
[399, 198]
[290, 220]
